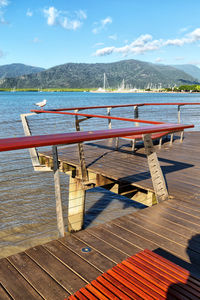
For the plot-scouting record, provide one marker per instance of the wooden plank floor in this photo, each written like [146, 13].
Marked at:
[180, 163]
[172, 229]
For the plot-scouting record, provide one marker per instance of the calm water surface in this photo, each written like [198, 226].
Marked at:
[27, 204]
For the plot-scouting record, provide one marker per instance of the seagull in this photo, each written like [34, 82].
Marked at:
[42, 103]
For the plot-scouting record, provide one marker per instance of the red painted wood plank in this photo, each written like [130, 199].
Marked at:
[177, 273]
[181, 287]
[112, 287]
[122, 287]
[148, 283]
[78, 137]
[96, 292]
[88, 294]
[173, 265]
[145, 275]
[129, 285]
[144, 286]
[104, 290]
[80, 296]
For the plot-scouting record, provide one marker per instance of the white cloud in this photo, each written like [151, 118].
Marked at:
[141, 45]
[98, 44]
[3, 4]
[81, 14]
[56, 17]
[102, 24]
[179, 58]
[70, 24]
[145, 43]
[159, 59]
[106, 21]
[29, 13]
[113, 37]
[51, 14]
[189, 38]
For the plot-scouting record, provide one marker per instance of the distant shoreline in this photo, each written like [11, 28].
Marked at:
[52, 90]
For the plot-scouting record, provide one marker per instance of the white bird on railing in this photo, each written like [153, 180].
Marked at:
[42, 103]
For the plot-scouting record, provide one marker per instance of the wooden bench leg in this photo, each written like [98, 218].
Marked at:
[76, 204]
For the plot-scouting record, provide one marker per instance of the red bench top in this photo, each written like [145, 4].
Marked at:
[145, 275]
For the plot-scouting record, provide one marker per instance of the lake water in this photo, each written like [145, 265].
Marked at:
[27, 204]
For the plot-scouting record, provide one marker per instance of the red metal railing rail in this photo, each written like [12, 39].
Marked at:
[96, 116]
[78, 137]
[120, 105]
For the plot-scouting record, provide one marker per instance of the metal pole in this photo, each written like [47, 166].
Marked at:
[59, 212]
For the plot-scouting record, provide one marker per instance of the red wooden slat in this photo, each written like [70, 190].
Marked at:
[145, 275]
[122, 287]
[80, 296]
[194, 280]
[177, 273]
[129, 285]
[96, 292]
[72, 297]
[185, 289]
[154, 287]
[104, 290]
[111, 287]
[88, 294]
[139, 283]
[78, 137]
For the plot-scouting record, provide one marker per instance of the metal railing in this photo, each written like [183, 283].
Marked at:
[78, 184]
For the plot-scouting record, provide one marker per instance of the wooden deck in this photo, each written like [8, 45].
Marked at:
[171, 228]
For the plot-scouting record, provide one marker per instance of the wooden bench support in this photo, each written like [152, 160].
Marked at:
[155, 170]
[59, 212]
[76, 204]
[33, 151]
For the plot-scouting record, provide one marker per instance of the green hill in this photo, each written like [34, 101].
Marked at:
[81, 75]
[14, 70]
[189, 69]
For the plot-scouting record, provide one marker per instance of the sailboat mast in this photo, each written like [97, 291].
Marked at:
[104, 81]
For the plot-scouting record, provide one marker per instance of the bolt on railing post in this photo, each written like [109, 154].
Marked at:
[59, 212]
[109, 120]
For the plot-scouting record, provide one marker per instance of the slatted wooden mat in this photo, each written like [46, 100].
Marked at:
[145, 275]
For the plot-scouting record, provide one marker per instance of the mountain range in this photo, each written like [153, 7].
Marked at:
[135, 73]
[14, 70]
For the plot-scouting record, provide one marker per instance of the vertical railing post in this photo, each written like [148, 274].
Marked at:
[109, 120]
[136, 113]
[59, 212]
[179, 121]
[158, 180]
[179, 114]
[27, 131]
[81, 153]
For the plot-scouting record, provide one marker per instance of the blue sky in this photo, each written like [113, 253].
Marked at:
[46, 33]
